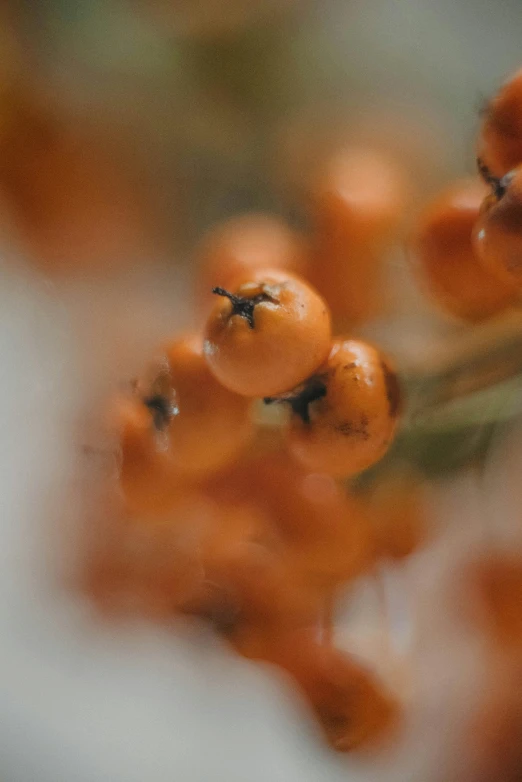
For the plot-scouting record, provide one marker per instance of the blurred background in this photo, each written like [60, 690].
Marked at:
[127, 130]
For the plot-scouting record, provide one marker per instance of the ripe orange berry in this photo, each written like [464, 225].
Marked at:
[357, 206]
[325, 530]
[153, 568]
[244, 244]
[264, 588]
[496, 591]
[344, 417]
[500, 140]
[246, 574]
[206, 424]
[397, 517]
[233, 537]
[498, 231]
[494, 731]
[267, 335]
[148, 478]
[449, 266]
[73, 205]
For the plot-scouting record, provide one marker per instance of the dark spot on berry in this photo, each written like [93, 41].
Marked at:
[354, 429]
[514, 264]
[498, 185]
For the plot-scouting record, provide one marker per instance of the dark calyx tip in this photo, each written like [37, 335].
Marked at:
[243, 306]
[300, 401]
[160, 410]
[497, 184]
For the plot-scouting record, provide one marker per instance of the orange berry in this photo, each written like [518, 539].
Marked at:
[234, 538]
[73, 205]
[500, 139]
[344, 417]
[153, 568]
[496, 589]
[448, 262]
[358, 203]
[264, 588]
[246, 575]
[267, 335]
[206, 425]
[326, 530]
[397, 517]
[148, 478]
[245, 244]
[498, 232]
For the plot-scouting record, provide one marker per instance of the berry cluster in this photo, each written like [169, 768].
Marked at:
[468, 242]
[228, 504]
[469, 245]
[216, 513]
[252, 531]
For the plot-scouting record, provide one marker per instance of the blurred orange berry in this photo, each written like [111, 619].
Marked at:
[496, 591]
[206, 424]
[325, 529]
[148, 478]
[499, 144]
[397, 517]
[243, 245]
[498, 232]
[75, 208]
[153, 568]
[449, 265]
[357, 206]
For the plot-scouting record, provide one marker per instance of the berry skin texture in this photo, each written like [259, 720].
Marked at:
[351, 423]
[207, 425]
[244, 244]
[273, 334]
[498, 231]
[500, 139]
[357, 206]
[448, 264]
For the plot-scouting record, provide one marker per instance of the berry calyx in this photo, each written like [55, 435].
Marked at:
[301, 399]
[244, 306]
